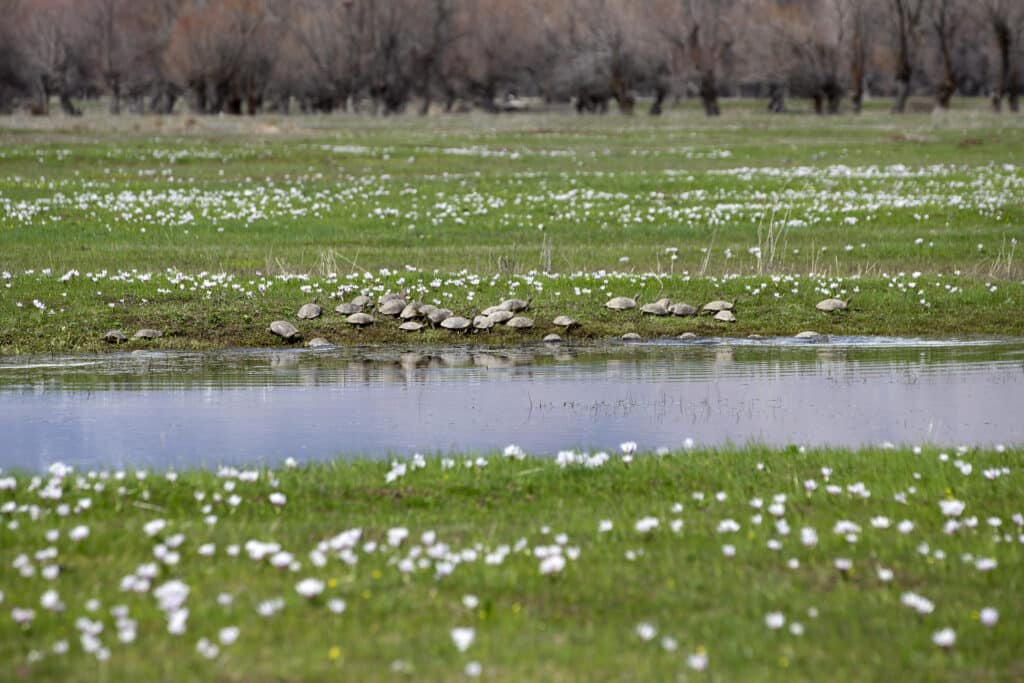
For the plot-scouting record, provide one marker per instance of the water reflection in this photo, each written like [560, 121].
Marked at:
[162, 409]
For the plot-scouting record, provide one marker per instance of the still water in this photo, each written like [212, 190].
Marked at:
[176, 409]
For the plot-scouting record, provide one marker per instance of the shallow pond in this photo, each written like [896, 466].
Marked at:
[176, 409]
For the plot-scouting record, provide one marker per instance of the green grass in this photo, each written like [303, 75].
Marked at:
[868, 197]
[579, 624]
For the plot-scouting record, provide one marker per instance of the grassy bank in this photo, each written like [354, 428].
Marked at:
[175, 223]
[735, 564]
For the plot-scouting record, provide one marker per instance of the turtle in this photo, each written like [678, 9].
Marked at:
[439, 315]
[631, 336]
[809, 335]
[483, 322]
[621, 303]
[716, 306]
[348, 309]
[426, 310]
[725, 316]
[362, 300]
[455, 323]
[392, 307]
[832, 305]
[115, 337]
[491, 310]
[147, 333]
[390, 296]
[318, 343]
[360, 319]
[520, 323]
[501, 316]
[657, 308]
[411, 326]
[285, 330]
[565, 321]
[552, 339]
[515, 305]
[682, 310]
[411, 310]
[309, 311]
[687, 335]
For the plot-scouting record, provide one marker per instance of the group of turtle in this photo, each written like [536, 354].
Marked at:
[721, 310]
[416, 315]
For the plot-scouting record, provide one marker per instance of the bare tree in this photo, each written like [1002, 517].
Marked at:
[948, 20]
[704, 33]
[1006, 19]
[907, 23]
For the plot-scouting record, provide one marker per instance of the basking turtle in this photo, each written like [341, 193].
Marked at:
[631, 336]
[309, 311]
[725, 316]
[455, 323]
[318, 343]
[565, 321]
[621, 303]
[115, 337]
[147, 333]
[392, 307]
[552, 339]
[501, 316]
[411, 326]
[348, 309]
[809, 335]
[285, 330]
[362, 301]
[426, 310]
[490, 310]
[687, 335]
[682, 310]
[411, 310]
[483, 322]
[390, 296]
[657, 308]
[439, 315]
[832, 305]
[520, 323]
[717, 306]
[360, 319]
[515, 305]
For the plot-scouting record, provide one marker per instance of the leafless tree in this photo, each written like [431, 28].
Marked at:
[1006, 19]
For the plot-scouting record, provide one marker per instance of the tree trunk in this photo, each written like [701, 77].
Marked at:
[709, 93]
[660, 92]
[115, 94]
[776, 98]
[902, 94]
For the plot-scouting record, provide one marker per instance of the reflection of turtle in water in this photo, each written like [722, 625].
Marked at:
[621, 303]
[832, 305]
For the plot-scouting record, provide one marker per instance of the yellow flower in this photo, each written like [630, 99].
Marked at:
[334, 653]
[332, 583]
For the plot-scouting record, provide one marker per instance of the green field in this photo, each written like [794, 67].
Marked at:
[208, 229]
[863, 556]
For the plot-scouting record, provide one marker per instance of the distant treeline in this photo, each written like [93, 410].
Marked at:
[390, 56]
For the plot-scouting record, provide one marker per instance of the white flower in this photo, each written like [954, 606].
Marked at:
[228, 635]
[278, 498]
[171, 595]
[552, 564]
[952, 508]
[514, 451]
[473, 669]
[774, 620]
[729, 550]
[154, 527]
[989, 616]
[728, 526]
[698, 661]
[884, 575]
[396, 535]
[604, 526]
[628, 447]
[78, 533]
[309, 588]
[647, 524]
[463, 637]
[470, 601]
[51, 600]
[646, 631]
[336, 605]
[944, 638]
[669, 644]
